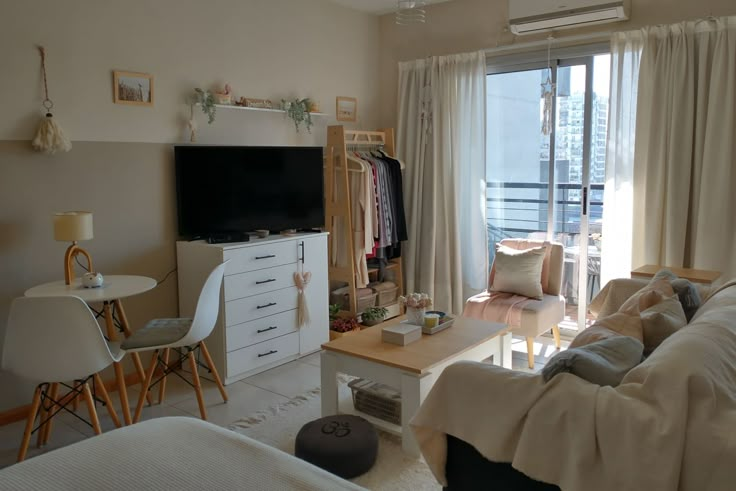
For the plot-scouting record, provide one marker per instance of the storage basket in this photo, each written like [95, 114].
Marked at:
[377, 400]
[341, 296]
[387, 292]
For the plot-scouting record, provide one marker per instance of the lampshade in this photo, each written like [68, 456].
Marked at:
[70, 226]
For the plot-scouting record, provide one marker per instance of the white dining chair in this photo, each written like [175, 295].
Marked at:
[187, 337]
[52, 341]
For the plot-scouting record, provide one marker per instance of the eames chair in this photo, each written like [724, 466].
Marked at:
[52, 341]
[186, 336]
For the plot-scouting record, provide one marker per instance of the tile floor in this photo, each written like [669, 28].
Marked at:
[246, 397]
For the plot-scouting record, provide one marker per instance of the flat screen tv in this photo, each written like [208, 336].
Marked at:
[226, 189]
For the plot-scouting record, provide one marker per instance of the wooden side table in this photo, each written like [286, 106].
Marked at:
[703, 276]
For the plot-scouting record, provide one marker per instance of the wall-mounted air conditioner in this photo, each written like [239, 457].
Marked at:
[532, 16]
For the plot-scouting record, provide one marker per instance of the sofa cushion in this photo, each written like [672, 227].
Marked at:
[656, 291]
[661, 321]
[603, 362]
[618, 324]
[518, 272]
[689, 296]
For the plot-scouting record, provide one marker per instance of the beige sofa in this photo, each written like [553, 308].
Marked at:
[670, 424]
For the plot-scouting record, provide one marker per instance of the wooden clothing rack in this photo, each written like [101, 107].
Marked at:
[339, 140]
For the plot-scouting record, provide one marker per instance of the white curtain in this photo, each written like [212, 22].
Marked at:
[685, 157]
[618, 192]
[441, 137]
[671, 157]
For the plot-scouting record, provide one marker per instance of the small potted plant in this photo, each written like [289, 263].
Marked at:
[298, 111]
[373, 315]
[343, 326]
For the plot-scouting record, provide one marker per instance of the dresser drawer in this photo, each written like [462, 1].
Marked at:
[257, 306]
[260, 330]
[243, 285]
[263, 256]
[260, 354]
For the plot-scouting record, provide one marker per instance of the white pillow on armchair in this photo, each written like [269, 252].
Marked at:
[518, 271]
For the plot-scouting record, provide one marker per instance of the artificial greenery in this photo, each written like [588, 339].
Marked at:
[345, 324]
[298, 111]
[374, 313]
[206, 99]
[334, 311]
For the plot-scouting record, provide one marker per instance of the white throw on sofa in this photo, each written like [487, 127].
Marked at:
[670, 424]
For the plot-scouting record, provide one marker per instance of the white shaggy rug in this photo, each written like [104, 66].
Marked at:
[279, 425]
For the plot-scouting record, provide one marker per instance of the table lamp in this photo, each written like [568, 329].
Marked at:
[73, 226]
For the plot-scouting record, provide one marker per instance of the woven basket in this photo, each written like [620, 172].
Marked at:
[377, 400]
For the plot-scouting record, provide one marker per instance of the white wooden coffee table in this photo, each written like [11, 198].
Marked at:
[412, 369]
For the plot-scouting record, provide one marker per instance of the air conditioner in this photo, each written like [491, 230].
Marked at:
[533, 16]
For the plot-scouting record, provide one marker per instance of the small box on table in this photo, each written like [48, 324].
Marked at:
[401, 334]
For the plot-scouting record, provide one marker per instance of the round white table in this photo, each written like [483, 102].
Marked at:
[115, 288]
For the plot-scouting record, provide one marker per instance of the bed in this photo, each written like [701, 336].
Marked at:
[169, 453]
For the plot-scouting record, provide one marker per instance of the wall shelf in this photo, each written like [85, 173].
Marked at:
[261, 109]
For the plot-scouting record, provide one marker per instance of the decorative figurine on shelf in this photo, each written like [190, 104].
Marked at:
[224, 97]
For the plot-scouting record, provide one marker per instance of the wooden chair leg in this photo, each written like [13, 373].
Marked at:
[123, 392]
[197, 386]
[162, 387]
[127, 332]
[91, 409]
[54, 395]
[556, 334]
[530, 351]
[100, 387]
[146, 385]
[208, 359]
[29, 424]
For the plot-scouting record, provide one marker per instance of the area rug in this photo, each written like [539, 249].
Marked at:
[278, 426]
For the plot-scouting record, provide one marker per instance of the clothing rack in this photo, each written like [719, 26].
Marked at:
[339, 143]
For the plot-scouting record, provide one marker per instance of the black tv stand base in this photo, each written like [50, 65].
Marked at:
[226, 237]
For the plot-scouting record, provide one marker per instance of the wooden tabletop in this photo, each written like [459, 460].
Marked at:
[423, 354]
[697, 275]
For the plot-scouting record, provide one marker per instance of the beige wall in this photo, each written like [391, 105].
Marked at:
[121, 166]
[468, 25]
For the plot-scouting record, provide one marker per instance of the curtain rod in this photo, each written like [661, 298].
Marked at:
[593, 37]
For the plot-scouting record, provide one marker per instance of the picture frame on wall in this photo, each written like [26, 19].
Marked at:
[133, 88]
[346, 108]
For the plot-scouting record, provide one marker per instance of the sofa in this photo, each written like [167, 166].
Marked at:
[669, 425]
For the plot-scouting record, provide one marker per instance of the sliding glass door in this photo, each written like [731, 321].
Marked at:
[551, 186]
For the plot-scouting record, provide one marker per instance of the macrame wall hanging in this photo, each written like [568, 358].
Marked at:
[50, 138]
[548, 93]
[301, 280]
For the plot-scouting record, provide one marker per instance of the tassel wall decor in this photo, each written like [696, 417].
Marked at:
[50, 138]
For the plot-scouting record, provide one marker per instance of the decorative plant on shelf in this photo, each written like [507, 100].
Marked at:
[334, 311]
[373, 315]
[344, 324]
[298, 111]
[206, 99]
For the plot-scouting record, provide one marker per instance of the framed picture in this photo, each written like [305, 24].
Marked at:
[132, 88]
[347, 108]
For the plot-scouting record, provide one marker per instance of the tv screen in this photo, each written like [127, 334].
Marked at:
[223, 189]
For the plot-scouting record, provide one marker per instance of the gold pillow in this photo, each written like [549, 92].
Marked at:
[518, 271]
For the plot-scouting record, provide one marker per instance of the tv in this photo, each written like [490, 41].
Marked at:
[236, 189]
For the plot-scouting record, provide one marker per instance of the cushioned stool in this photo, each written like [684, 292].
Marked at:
[344, 445]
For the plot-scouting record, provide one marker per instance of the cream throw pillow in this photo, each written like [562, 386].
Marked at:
[519, 271]
[661, 321]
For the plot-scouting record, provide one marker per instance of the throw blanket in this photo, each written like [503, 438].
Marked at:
[504, 307]
[668, 426]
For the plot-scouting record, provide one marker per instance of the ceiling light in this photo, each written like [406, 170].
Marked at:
[411, 12]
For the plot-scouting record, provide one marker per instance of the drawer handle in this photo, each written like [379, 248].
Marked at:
[266, 306]
[259, 331]
[269, 353]
[270, 256]
[265, 281]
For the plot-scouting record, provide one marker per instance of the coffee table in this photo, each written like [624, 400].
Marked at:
[412, 369]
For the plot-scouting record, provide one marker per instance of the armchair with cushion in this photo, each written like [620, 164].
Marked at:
[528, 317]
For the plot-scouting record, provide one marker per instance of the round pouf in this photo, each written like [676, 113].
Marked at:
[344, 445]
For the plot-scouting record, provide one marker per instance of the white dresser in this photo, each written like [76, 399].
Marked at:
[257, 325]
